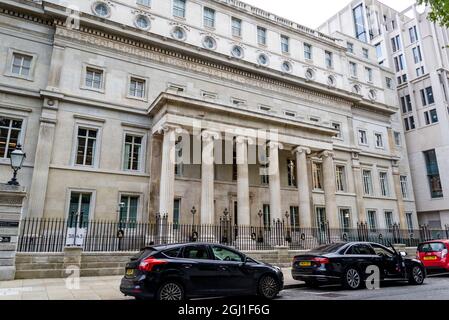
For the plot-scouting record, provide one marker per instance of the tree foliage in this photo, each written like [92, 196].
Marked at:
[440, 11]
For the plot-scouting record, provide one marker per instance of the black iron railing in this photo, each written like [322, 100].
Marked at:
[53, 234]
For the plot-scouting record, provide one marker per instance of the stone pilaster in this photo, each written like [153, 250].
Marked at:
[167, 183]
[305, 214]
[275, 180]
[207, 212]
[330, 189]
[244, 215]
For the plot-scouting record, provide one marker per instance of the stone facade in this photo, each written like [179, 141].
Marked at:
[93, 93]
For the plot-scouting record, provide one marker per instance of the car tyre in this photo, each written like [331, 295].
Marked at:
[170, 291]
[268, 287]
[417, 275]
[352, 279]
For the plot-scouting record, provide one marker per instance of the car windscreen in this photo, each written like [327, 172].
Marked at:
[328, 248]
[431, 247]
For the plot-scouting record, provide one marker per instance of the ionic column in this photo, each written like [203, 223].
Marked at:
[243, 210]
[167, 184]
[358, 186]
[275, 180]
[330, 189]
[207, 177]
[305, 214]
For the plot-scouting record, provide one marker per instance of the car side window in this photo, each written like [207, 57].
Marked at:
[196, 252]
[173, 253]
[361, 249]
[224, 254]
[381, 251]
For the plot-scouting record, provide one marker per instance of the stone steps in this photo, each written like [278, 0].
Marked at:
[95, 272]
[40, 274]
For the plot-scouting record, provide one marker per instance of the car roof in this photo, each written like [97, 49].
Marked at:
[182, 244]
[436, 240]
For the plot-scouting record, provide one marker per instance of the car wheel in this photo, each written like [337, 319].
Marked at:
[416, 275]
[268, 287]
[171, 291]
[352, 279]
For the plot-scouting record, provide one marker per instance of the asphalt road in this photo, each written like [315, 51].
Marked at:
[436, 287]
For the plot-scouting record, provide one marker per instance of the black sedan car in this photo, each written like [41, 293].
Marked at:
[194, 270]
[349, 264]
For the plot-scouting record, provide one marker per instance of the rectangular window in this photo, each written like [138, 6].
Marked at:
[427, 96]
[176, 213]
[396, 43]
[404, 187]
[353, 69]
[340, 175]
[379, 52]
[409, 123]
[379, 140]
[236, 27]
[317, 176]
[329, 59]
[179, 165]
[372, 220]
[367, 182]
[179, 8]
[413, 34]
[399, 63]
[285, 44]
[420, 71]
[266, 216]
[128, 211]
[87, 141]
[137, 88]
[389, 220]
[389, 82]
[80, 203]
[363, 138]
[132, 156]
[417, 54]
[265, 178]
[384, 185]
[350, 47]
[431, 116]
[291, 173]
[10, 134]
[409, 218]
[365, 53]
[21, 64]
[433, 174]
[144, 2]
[397, 139]
[369, 74]
[308, 51]
[209, 17]
[337, 127]
[359, 23]
[261, 36]
[294, 216]
[406, 104]
[94, 78]
[345, 219]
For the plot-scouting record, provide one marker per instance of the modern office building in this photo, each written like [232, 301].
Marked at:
[417, 50]
[105, 95]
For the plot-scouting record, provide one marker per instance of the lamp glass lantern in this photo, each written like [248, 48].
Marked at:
[17, 157]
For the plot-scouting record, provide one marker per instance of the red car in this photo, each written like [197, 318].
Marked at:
[434, 254]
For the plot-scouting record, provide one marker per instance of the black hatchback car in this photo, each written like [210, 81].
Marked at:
[348, 264]
[194, 270]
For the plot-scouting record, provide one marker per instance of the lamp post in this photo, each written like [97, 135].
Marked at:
[17, 157]
[260, 239]
[194, 237]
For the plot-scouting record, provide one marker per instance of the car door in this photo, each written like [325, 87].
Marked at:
[201, 271]
[389, 262]
[361, 255]
[236, 274]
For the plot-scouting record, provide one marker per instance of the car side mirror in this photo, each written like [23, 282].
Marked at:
[403, 254]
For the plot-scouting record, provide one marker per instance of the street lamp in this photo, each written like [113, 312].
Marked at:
[17, 157]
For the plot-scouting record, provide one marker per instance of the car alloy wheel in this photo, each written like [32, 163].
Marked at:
[171, 291]
[353, 279]
[417, 276]
[268, 287]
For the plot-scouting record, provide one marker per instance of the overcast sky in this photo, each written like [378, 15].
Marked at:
[312, 13]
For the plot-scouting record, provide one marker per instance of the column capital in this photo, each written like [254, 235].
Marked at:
[327, 154]
[209, 135]
[167, 128]
[244, 139]
[275, 145]
[301, 150]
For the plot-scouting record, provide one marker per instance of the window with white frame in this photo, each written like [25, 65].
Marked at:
[176, 213]
[80, 204]
[132, 152]
[431, 116]
[345, 219]
[369, 74]
[427, 96]
[137, 88]
[409, 218]
[261, 36]
[146, 3]
[404, 187]
[353, 69]
[129, 205]
[413, 34]
[372, 220]
[417, 54]
[367, 182]
[285, 44]
[21, 65]
[317, 176]
[389, 219]
[236, 27]
[179, 8]
[397, 139]
[10, 135]
[379, 140]
[294, 216]
[209, 17]
[340, 175]
[94, 78]
[178, 158]
[337, 126]
[308, 54]
[384, 185]
[363, 137]
[365, 53]
[86, 146]
[329, 59]
[350, 47]
[396, 43]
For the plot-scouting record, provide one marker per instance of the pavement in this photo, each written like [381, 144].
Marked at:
[88, 288]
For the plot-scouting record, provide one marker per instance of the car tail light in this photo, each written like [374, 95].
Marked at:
[320, 260]
[148, 263]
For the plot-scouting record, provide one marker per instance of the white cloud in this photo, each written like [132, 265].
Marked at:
[312, 13]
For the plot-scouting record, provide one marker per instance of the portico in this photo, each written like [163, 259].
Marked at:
[217, 133]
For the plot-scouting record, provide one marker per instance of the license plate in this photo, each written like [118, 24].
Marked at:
[130, 272]
[430, 258]
[305, 264]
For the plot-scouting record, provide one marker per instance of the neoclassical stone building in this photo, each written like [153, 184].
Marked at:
[105, 95]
